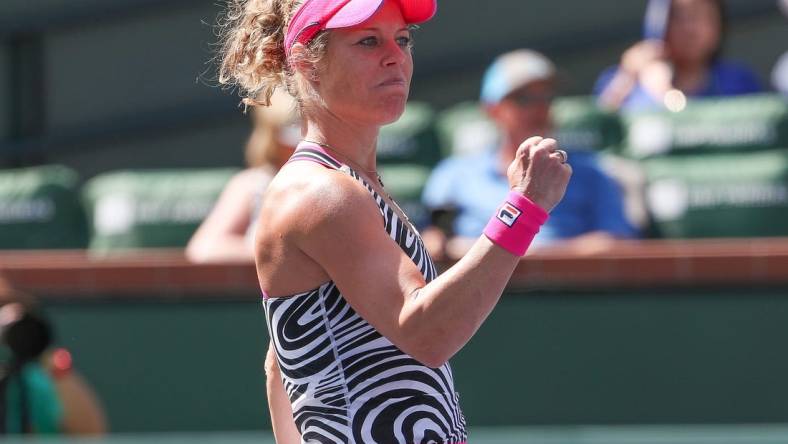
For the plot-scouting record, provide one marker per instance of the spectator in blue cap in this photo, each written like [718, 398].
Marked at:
[517, 91]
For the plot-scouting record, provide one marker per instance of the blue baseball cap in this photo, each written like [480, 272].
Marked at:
[513, 70]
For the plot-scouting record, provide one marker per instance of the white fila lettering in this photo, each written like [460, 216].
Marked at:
[508, 214]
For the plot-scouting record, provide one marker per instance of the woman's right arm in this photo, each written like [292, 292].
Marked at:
[285, 430]
[336, 224]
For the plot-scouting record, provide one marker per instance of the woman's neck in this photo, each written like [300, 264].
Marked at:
[356, 143]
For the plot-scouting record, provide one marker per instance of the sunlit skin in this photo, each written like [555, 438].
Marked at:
[373, 65]
[363, 83]
[283, 153]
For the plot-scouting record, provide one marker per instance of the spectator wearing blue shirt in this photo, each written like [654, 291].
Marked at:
[681, 60]
[517, 91]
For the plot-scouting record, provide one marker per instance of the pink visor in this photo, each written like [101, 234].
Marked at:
[314, 16]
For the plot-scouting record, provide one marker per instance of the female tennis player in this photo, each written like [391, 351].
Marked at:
[361, 325]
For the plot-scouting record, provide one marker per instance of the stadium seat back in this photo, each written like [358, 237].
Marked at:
[411, 139]
[40, 209]
[719, 195]
[464, 129]
[581, 125]
[405, 183]
[733, 124]
[158, 208]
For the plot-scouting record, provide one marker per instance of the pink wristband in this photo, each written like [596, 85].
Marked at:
[515, 224]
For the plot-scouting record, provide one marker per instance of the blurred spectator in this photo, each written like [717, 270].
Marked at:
[517, 91]
[227, 234]
[40, 393]
[679, 59]
[780, 72]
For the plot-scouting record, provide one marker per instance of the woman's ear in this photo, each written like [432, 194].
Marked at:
[302, 64]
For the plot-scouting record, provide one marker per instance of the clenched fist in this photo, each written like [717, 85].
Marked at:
[538, 172]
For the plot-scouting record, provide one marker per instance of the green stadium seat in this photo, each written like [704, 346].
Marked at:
[582, 125]
[40, 209]
[464, 129]
[411, 139]
[719, 195]
[744, 123]
[158, 208]
[405, 182]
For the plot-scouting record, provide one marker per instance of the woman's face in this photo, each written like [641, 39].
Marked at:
[694, 30]
[367, 70]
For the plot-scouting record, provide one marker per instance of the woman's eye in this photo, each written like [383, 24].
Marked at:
[405, 42]
[369, 41]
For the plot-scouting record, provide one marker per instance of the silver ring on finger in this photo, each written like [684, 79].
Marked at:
[563, 154]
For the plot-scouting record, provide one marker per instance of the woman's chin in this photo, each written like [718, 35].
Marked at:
[392, 109]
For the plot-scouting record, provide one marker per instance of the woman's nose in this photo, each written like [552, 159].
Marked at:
[395, 53]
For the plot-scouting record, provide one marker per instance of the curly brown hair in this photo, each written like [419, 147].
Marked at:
[252, 55]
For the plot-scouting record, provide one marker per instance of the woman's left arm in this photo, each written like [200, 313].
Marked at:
[285, 430]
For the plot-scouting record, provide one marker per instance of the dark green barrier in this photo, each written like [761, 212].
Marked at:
[160, 208]
[40, 208]
[171, 366]
[541, 358]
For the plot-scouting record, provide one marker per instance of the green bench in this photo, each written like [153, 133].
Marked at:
[158, 208]
[40, 209]
[719, 195]
[731, 124]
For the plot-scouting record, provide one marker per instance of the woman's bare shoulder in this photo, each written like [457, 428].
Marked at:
[305, 195]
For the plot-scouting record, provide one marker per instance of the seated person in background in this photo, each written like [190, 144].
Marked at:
[517, 91]
[780, 71]
[686, 62]
[227, 233]
[39, 391]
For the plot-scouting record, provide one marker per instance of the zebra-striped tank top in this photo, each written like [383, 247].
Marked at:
[345, 381]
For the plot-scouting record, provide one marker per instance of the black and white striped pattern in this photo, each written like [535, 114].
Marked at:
[346, 382]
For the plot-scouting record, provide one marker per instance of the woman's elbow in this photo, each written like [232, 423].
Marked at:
[434, 361]
[431, 354]
[431, 346]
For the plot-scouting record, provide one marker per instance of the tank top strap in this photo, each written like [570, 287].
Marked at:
[312, 152]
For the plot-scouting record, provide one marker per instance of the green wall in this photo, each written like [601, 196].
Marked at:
[541, 358]
[5, 93]
[171, 366]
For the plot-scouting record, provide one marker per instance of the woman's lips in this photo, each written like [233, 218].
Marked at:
[394, 81]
